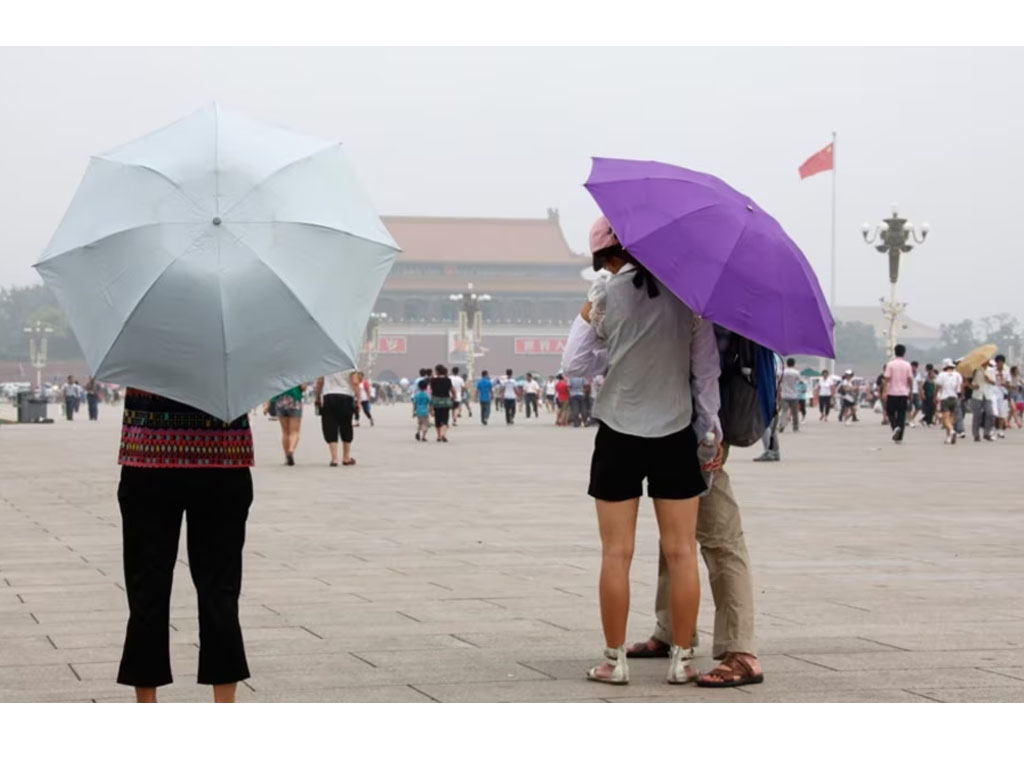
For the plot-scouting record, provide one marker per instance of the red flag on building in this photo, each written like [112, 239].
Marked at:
[818, 162]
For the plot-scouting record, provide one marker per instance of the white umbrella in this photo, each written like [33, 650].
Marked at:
[219, 261]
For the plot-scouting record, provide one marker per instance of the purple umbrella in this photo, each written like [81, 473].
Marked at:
[716, 250]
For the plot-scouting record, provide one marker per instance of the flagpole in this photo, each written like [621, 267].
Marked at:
[832, 275]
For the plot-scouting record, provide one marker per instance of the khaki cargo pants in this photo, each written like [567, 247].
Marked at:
[720, 536]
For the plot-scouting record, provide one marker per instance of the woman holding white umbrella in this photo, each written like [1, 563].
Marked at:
[208, 266]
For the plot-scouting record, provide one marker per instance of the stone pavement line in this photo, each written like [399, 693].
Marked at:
[467, 571]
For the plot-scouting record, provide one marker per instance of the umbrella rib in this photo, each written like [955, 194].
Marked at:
[288, 288]
[174, 185]
[274, 173]
[142, 298]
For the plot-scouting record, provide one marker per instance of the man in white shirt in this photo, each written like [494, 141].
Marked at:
[531, 393]
[790, 396]
[510, 390]
[948, 386]
[458, 387]
[70, 392]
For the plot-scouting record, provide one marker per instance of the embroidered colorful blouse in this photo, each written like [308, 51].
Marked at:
[160, 433]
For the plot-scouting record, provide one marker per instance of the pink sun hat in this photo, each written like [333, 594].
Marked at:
[602, 236]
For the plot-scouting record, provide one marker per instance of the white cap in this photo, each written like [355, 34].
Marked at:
[848, 372]
[947, 363]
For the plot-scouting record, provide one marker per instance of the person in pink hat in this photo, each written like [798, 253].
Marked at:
[660, 392]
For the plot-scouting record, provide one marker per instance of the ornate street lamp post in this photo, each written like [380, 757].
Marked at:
[894, 237]
[470, 324]
[37, 340]
[373, 340]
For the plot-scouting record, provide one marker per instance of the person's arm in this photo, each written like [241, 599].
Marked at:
[705, 368]
[353, 381]
[585, 354]
[318, 389]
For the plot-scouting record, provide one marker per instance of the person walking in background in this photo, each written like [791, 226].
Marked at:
[92, 396]
[288, 407]
[70, 392]
[531, 394]
[790, 396]
[421, 410]
[1001, 396]
[562, 393]
[577, 397]
[949, 386]
[441, 401]
[549, 395]
[484, 396]
[336, 395]
[1016, 397]
[848, 395]
[510, 391]
[458, 390]
[801, 394]
[826, 386]
[177, 460]
[982, 415]
[928, 397]
[916, 399]
[897, 389]
[364, 396]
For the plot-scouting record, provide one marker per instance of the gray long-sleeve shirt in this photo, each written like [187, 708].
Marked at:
[661, 362]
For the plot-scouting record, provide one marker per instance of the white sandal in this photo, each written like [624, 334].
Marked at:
[619, 668]
[681, 670]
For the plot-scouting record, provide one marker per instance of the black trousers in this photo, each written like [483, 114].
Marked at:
[336, 414]
[216, 502]
[510, 410]
[896, 410]
[531, 402]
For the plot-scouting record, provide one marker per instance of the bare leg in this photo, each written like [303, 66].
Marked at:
[285, 423]
[617, 523]
[145, 695]
[224, 694]
[296, 429]
[677, 522]
[334, 451]
[346, 451]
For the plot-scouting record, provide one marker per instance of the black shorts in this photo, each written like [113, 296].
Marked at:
[949, 405]
[621, 462]
[441, 416]
[336, 414]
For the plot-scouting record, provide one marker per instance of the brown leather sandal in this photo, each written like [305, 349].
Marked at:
[733, 671]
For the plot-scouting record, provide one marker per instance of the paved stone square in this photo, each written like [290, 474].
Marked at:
[468, 571]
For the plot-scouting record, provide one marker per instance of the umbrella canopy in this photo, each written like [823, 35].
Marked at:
[219, 261]
[976, 358]
[716, 250]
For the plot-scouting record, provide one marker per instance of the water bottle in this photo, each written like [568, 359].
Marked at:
[706, 451]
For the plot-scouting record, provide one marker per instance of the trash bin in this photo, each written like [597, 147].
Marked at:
[31, 408]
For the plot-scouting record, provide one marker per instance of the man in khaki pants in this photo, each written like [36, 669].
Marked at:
[720, 535]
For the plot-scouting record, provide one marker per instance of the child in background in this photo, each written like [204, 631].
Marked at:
[421, 409]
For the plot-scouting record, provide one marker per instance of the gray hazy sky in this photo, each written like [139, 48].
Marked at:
[509, 132]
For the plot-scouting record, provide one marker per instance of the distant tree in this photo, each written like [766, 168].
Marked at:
[23, 306]
[856, 343]
[958, 338]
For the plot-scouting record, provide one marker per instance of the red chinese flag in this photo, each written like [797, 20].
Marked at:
[818, 162]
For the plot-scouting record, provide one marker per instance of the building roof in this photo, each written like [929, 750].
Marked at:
[497, 285]
[909, 328]
[449, 240]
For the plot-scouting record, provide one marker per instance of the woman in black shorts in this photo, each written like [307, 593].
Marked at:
[441, 394]
[660, 396]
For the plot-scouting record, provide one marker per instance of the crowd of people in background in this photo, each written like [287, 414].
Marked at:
[906, 395]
